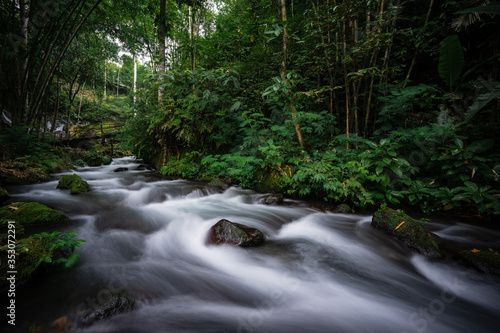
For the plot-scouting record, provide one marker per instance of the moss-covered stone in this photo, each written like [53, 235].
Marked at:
[30, 214]
[4, 195]
[4, 230]
[74, 183]
[227, 232]
[106, 160]
[487, 261]
[342, 209]
[29, 252]
[408, 231]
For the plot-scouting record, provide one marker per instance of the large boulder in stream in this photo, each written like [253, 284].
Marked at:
[227, 232]
[31, 214]
[74, 183]
[408, 231]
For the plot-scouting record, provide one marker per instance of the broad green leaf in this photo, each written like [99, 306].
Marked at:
[451, 60]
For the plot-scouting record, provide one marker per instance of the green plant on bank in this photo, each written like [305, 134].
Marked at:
[60, 251]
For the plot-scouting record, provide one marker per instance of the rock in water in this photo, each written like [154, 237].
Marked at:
[408, 231]
[120, 170]
[227, 232]
[31, 214]
[74, 183]
[272, 199]
[111, 303]
[342, 209]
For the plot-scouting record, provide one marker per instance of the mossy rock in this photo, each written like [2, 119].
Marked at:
[487, 261]
[343, 209]
[227, 232]
[80, 163]
[74, 183]
[110, 303]
[30, 214]
[216, 182]
[4, 230]
[106, 160]
[408, 231]
[29, 252]
[4, 195]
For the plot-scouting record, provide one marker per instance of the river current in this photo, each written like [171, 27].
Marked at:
[316, 272]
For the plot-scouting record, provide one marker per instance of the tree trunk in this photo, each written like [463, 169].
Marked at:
[161, 51]
[135, 81]
[291, 102]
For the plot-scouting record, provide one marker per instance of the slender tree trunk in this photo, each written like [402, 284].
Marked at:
[105, 80]
[118, 83]
[56, 113]
[80, 105]
[135, 81]
[284, 53]
[161, 51]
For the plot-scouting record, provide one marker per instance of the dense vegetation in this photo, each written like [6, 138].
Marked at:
[391, 102]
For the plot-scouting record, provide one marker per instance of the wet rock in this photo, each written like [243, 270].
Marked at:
[74, 183]
[5, 226]
[487, 261]
[271, 199]
[111, 303]
[343, 209]
[30, 214]
[216, 182]
[143, 167]
[120, 170]
[4, 195]
[408, 231]
[227, 232]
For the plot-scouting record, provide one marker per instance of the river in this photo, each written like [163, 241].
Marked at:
[316, 272]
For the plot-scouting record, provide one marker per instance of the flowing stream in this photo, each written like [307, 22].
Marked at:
[316, 272]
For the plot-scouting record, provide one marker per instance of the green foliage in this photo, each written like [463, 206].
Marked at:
[451, 60]
[62, 247]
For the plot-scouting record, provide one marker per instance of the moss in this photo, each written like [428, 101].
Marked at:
[343, 209]
[487, 261]
[74, 183]
[408, 231]
[106, 159]
[30, 213]
[4, 227]
[29, 252]
[4, 195]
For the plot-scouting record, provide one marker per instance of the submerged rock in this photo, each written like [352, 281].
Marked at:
[408, 231]
[227, 232]
[74, 183]
[110, 303]
[4, 195]
[30, 213]
[271, 199]
[120, 170]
